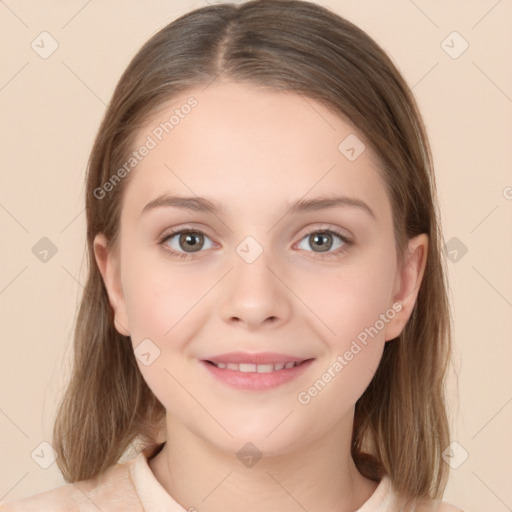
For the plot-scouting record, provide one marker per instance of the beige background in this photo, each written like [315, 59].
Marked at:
[51, 109]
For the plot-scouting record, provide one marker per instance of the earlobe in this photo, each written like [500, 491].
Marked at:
[109, 270]
[407, 284]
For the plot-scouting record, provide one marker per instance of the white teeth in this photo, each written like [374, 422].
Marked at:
[246, 368]
[255, 368]
[265, 368]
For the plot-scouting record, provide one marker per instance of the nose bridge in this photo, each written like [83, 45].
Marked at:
[254, 293]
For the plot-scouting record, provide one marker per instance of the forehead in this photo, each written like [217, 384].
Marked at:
[250, 148]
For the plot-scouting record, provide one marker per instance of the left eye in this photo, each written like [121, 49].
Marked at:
[322, 239]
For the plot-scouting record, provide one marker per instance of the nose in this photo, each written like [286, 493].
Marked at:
[255, 294]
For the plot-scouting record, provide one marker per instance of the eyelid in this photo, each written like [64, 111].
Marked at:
[322, 226]
[180, 228]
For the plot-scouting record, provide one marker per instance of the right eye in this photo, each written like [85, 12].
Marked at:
[188, 238]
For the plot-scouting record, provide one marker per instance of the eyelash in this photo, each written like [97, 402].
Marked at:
[186, 256]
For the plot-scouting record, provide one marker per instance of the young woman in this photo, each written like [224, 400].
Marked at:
[266, 312]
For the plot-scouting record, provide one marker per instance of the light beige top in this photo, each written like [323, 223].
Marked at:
[131, 486]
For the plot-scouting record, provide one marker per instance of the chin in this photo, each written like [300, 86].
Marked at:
[268, 438]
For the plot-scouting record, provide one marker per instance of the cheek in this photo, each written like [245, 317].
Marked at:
[340, 383]
[353, 308]
[348, 300]
[161, 300]
[163, 306]
[166, 313]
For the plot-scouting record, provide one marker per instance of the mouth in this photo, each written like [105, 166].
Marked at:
[256, 376]
[256, 368]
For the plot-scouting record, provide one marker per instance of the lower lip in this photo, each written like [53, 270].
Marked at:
[257, 381]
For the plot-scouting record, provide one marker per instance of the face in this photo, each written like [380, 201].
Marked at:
[257, 275]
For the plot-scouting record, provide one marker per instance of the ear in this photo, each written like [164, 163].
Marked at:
[407, 284]
[108, 263]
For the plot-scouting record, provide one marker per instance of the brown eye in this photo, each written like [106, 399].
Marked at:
[185, 242]
[323, 243]
[191, 241]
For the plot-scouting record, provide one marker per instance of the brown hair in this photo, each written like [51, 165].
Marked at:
[400, 425]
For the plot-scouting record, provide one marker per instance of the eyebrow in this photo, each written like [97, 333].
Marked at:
[201, 204]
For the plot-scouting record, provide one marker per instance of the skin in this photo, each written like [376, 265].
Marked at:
[252, 151]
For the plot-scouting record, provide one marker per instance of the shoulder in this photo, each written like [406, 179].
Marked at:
[391, 499]
[442, 506]
[54, 500]
[111, 491]
[406, 503]
[447, 507]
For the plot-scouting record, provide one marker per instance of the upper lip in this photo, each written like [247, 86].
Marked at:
[255, 358]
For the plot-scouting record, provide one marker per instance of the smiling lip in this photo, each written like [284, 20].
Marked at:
[255, 358]
[257, 372]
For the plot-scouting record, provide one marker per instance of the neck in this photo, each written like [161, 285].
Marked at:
[318, 476]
